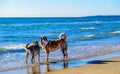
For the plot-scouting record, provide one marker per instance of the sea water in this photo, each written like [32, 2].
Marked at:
[86, 37]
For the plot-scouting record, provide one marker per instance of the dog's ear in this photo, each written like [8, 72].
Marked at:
[35, 43]
[45, 38]
[40, 39]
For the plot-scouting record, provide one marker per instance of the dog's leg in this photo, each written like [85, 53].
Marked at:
[47, 68]
[27, 56]
[65, 55]
[47, 58]
[39, 56]
[65, 64]
[65, 52]
[32, 59]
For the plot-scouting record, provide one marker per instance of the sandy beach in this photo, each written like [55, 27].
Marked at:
[105, 66]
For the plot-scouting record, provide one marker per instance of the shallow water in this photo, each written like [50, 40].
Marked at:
[42, 68]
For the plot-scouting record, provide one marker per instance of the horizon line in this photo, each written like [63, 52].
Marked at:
[53, 16]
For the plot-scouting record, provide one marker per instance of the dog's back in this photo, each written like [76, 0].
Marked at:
[60, 43]
[33, 48]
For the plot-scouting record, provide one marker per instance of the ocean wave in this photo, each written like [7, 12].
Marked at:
[115, 32]
[50, 34]
[3, 24]
[68, 23]
[87, 28]
[81, 22]
[12, 46]
[12, 25]
[50, 23]
[87, 36]
[92, 35]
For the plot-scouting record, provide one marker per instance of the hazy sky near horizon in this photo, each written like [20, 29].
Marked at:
[55, 8]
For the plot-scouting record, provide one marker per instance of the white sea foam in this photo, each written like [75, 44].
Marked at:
[12, 46]
[116, 32]
[81, 22]
[3, 24]
[88, 28]
[50, 34]
[68, 23]
[89, 36]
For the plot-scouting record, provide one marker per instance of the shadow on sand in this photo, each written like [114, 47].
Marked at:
[100, 61]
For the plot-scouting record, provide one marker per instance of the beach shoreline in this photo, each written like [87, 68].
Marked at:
[76, 66]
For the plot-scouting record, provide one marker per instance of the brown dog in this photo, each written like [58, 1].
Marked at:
[33, 49]
[49, 46]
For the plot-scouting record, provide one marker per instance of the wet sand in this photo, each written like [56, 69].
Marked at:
[105, 66]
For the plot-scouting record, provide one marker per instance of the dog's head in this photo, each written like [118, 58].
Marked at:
[35, 43]
[43, 41]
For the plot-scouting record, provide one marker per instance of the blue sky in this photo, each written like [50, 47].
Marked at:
[58, 8]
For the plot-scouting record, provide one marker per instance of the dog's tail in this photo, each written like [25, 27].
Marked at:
[26, 46]
[62, 36]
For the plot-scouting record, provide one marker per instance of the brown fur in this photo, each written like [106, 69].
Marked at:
[49, 46]
[33, 49]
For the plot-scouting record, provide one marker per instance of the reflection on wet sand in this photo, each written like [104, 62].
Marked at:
[65, 65]
[48, 68]
[34, 69]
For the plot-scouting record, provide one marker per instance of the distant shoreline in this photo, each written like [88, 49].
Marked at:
[59, 16]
